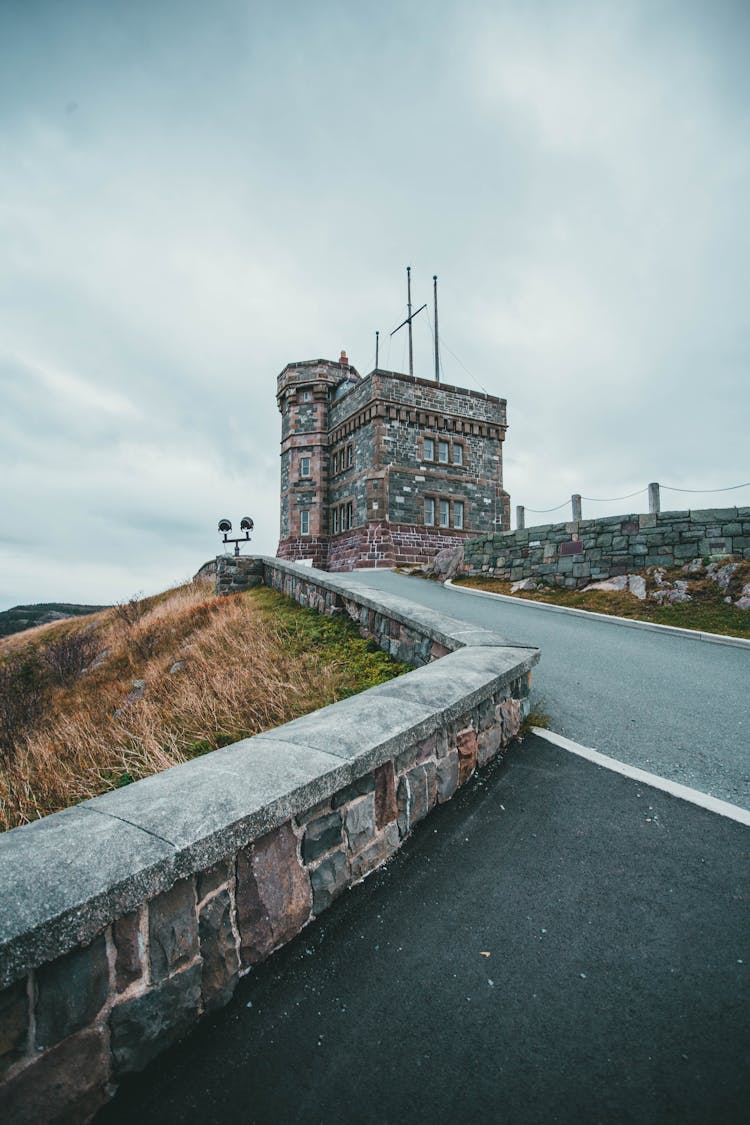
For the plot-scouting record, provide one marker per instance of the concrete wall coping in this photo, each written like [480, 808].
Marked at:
[67, 876]
[451, 632]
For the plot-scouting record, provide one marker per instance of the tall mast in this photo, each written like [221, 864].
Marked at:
[408, 309]
[409, 319]
[377, 348]
[437, 349]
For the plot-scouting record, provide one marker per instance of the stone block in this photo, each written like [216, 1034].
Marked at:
[273, 894]
[711, 516]
[416, 795]
[321, 836]
[714, 547]
[687, 550]
[172, 930]
[328, 880]
[144, 1026]
[358, 788]
[466, 745]
[14, 1023]
[71, 992]
[359, 823]
[129, 950]
[447, 776]
[212, 878]
[510, 714]
[380, 850]
[218, 951]
[488, 743]
[385, 795]
[66, 1085]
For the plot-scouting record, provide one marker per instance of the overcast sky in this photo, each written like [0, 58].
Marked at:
[194, 194]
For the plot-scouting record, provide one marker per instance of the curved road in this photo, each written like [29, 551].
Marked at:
[672, 705]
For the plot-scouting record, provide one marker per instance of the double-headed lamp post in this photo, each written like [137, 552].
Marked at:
[246, 525]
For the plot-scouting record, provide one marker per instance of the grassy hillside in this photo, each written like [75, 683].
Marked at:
[22, 617]
[89, 705]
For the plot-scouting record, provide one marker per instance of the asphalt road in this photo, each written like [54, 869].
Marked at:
[616, 987]
[675, 706]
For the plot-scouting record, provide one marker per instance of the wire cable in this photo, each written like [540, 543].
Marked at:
[732, 488]
[543, 511]
[612, 499]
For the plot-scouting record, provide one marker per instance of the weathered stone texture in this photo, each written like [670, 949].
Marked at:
[142, 1027]
[70, 992]
[447, 776]
[218, 950]
[321, 835]
[213, 878]
[360, 823]
[466, 745]
[274, 897]
[173, 930]
[381, 849]
[129, 950]
[14, 1023]
[64, 1086]
[358, 788]
[328, 880]
[612, 546]
[357, 498]
[385, 795]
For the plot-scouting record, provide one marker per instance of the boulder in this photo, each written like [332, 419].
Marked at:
[743, 601]
[637, 586]
[612, 585]
[524, 584]
[447, 563]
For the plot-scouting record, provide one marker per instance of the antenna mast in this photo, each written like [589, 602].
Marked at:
[408, 309]
[377, 348]
[409, 319]
[437, 349]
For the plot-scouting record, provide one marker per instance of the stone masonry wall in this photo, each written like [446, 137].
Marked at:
[610, 546]
[129, 916]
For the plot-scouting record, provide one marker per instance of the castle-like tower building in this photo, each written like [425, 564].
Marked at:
[385, 469]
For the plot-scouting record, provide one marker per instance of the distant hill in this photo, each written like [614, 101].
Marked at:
[22, 617]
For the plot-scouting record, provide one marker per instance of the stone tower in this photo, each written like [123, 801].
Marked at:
[304, 392]
[385, 469]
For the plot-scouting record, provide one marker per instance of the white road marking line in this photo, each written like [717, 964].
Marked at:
[684, 792]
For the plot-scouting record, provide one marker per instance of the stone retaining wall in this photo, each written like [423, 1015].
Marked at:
[129, 916]
[610, 546]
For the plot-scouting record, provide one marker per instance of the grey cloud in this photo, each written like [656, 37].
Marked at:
[242, 187]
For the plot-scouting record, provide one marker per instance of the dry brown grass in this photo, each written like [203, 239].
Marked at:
[246, 666]
[707, 611]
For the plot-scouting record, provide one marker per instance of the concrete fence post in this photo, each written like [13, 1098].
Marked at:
[520, 517]
[654, 500]
[576, 502]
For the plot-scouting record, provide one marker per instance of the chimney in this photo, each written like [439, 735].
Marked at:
[343, 358]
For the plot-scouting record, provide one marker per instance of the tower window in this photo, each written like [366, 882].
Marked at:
[443, 451]
[445, 513]
[335, 520]
[429, 449]
[458, 513]
[304, 523]
[304, 466]
[349, 455]
[429, 511]
[306, 396]
[458, 454]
